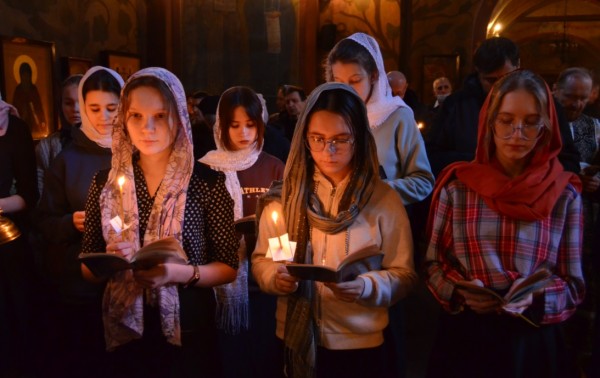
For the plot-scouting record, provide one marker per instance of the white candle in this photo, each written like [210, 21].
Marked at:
[121, 182]
[274, 215]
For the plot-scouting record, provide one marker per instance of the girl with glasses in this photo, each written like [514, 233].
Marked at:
[495, 221]
[333, 204]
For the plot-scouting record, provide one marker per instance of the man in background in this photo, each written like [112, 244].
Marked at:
[295, 99]
[441, 89]
[400, 88]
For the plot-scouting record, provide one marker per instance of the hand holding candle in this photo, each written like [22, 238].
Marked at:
[280, 248]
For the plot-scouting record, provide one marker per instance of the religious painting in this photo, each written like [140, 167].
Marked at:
[125, 64]
[435, 66]
[75, 66]
[27, 82]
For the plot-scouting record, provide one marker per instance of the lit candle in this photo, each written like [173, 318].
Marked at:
[274, 215]
[121, 181]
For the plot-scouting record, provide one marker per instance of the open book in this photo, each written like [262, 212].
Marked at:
[165, 250]
[352, 266]
[530, 284]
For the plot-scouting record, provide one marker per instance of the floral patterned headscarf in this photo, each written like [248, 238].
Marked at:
[123, 297]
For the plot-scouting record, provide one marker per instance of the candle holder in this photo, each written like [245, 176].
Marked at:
[8, 230]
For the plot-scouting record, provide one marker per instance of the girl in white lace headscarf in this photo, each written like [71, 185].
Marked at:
[357, 61]
[249, 171]
[239, 136]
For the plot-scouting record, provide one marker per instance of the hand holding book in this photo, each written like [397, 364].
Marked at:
[355, 264]
[478, 298]
[162, 251]
[518, 298]
[348, 291]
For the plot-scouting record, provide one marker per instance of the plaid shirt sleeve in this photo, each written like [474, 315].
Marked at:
[567, 288]
[470, 240]
[442, 267]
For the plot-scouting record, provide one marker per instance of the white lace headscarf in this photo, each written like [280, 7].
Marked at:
[123, 304]
[229, 162]
[87, 128]
[381, 103]
[232, 298]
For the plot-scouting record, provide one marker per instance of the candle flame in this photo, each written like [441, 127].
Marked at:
[121, 181]
[420, 125]
[274, 215]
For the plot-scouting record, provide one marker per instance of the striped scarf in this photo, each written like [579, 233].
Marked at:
[302, 210]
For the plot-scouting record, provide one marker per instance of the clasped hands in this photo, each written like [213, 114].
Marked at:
[485, 304]
[349, 291]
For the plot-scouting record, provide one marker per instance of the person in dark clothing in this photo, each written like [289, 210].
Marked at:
[76, 304]
[593, 105]
[18, 195]
[295, 99]
[202, 125]
[453, 136]
[400, 88]
[274, 143]
[47, 148]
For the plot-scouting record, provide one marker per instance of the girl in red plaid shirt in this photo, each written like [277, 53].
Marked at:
[493, 222]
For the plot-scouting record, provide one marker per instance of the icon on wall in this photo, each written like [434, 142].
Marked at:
[124, 64]
[75, 66]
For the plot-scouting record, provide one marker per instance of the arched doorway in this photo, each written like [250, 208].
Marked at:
[552, 34]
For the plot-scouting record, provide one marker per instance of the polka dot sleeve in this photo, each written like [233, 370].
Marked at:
[215, 208]
[223, 240]
[93, 241]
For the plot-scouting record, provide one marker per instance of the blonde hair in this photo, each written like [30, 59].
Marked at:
[519, 80]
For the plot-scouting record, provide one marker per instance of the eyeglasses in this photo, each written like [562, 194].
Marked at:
[317, 144]
[440, 87]
[529, 130]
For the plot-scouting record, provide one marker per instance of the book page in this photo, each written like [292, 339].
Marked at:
[530, 284]
[355, 264]
[312, 272]
[349, 272]
[474, 289]
[104, 264]
[162, 251]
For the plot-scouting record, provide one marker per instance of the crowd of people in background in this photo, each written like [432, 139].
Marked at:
[496, 180]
